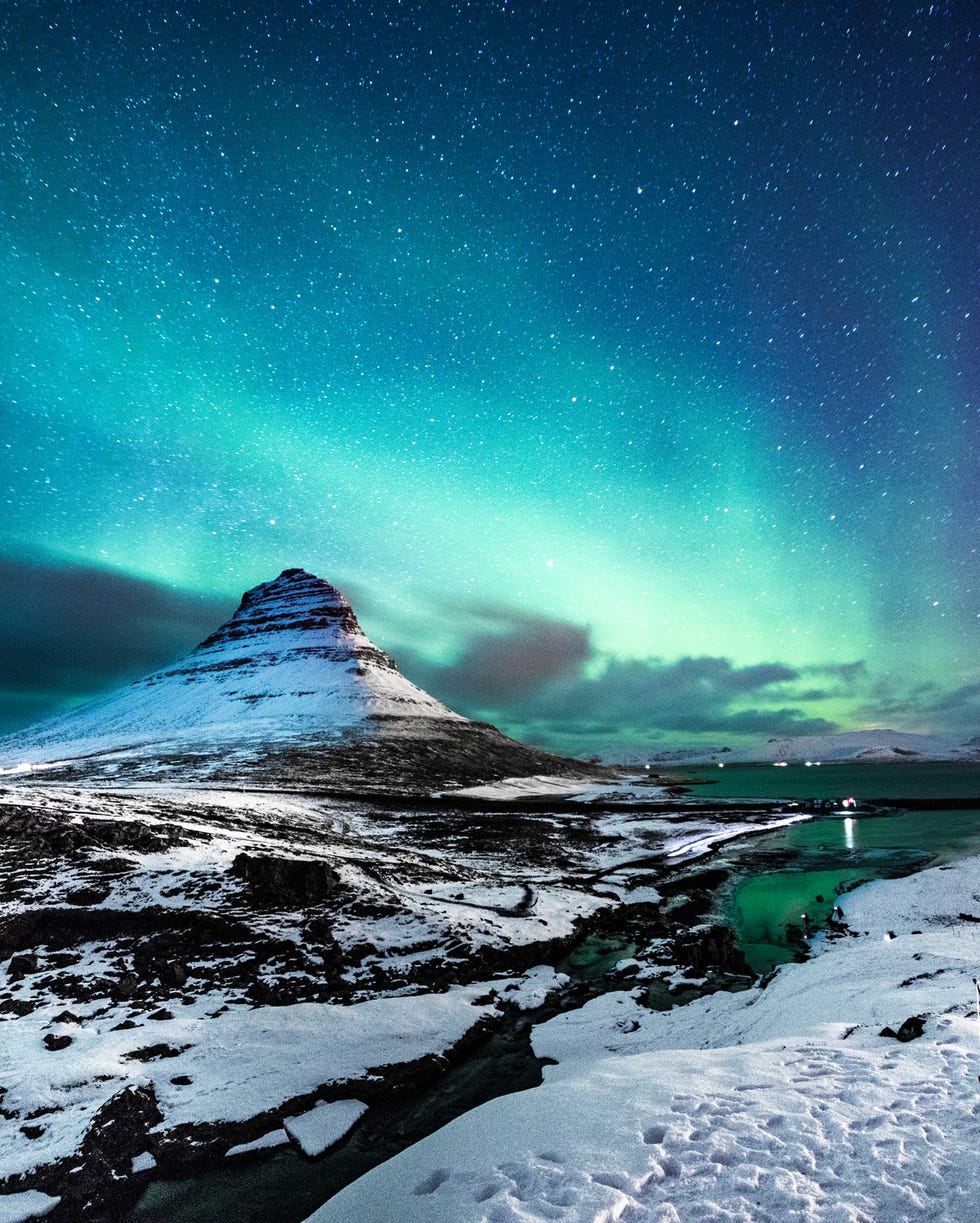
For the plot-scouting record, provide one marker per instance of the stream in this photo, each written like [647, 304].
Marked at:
[774, 879]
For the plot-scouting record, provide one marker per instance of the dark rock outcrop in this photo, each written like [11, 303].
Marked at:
[287, 881]
[103, 1183]
[709, 946]
[911, 1029]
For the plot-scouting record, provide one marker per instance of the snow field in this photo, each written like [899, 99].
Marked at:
[239, 1064]
[19, 1207]
[784, 1104]
[323, 1126]
[766, 1133]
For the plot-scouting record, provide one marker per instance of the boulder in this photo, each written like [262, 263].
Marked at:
[709, 945]
[911, 1029]
[103, 1185]
[287, 882]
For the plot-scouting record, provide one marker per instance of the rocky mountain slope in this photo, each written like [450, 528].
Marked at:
[289, 693]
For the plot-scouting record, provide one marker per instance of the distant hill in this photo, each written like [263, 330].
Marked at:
[872, 746]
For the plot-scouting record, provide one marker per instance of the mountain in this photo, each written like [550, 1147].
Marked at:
[857, 746]
[289, 692]
[873, 746]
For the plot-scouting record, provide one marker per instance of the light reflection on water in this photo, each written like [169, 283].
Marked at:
[830, 857]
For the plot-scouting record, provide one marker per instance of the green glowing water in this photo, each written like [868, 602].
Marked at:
[830, 856]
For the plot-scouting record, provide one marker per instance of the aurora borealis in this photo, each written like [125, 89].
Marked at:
[619, 361]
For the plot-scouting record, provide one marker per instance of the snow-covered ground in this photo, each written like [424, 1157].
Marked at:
[233, 1063]
[784, 1103]
[539, 786]
[136, 953]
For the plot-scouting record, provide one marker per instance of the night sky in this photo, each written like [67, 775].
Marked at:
[619, 361]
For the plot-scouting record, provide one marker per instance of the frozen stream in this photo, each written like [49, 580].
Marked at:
[775, 878]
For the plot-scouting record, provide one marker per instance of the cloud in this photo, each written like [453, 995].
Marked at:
[846, 679]
[542, 680]
[960, 707]
[506, 658]
[693, 695]
[926, 707]
[70, 630]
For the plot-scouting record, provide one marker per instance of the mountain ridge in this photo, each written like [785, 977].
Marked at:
[876, 746]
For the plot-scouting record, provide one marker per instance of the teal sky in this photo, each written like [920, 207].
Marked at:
[619, 361]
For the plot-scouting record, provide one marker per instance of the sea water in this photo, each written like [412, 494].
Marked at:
[863, 781]
[773, 911]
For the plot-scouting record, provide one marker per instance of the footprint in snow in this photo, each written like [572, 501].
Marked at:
[437, 1177]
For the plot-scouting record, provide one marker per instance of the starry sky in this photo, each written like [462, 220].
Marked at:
[618, 360]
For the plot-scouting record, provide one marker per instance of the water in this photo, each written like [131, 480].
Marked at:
[766, 907]
[862, 781]
[594, 956]
[287, 1187]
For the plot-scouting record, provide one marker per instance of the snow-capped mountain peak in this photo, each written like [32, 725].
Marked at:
[292, 660]
[295, 601]
[289, 692]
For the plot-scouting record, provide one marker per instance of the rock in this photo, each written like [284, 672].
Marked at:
[124, 987]
[911, 1029]
[287, 881]
[709, 946]
[21, 965]
[17, 1006]
[87, 895]
[174, 974]
[54, 1043]
[153, 1053]
[102, 1185]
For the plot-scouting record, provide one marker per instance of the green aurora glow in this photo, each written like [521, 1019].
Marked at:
[640, 340]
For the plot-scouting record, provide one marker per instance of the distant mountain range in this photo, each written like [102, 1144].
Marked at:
[871, 746]
[289, 693]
